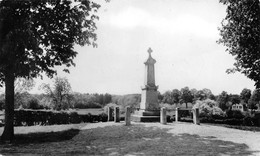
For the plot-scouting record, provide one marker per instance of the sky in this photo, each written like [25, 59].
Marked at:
[182, 35]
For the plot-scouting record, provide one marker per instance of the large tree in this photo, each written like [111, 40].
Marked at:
[60, 93]
[254, 99]
[223, 100]
[245, 95]
[172, 97]
[36, 36]
[240, 33]
[186, 96]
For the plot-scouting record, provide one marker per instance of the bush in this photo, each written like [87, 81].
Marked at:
[34, 104]
[237, 114]
[208, 108]
[33, 117]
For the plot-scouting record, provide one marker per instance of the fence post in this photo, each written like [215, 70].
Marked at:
[176, 114]
[196, 119]
[110, 114]
[116, 114]
[127, 116]
[163, 118]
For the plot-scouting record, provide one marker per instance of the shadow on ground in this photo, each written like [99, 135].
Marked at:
[45, 137]
[121, 140]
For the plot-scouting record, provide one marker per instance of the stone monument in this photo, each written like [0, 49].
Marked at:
[149, 107]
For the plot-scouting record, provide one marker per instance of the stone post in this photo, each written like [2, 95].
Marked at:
[110, 114]
[116, 114]
[163, 118]
[127, 116]
[196, 119]
[176, 114]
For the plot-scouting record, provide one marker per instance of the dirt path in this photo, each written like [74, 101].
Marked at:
[251, 139]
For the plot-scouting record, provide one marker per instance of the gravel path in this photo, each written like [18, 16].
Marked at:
[251, 139]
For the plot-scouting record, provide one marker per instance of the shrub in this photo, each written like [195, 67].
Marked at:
[237, 114]
[208, 109]
[34, 104]
[33, 117]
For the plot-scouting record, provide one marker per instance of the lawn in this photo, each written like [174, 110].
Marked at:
[114, 140]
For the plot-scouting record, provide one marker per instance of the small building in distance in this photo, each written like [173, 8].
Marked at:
[238, 107]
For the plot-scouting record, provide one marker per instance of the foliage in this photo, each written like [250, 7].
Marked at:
[222, 100]
[186, 96]
[254, 99]
[132, 100]
[234, 98]
[245, 95]
[234, 114]
[89, 104]
[60, 93]
[208, 108]
[22, 99]
[23, 85]
[35, 37]
[32, 117]
[33, 103]
[160, 97]
[176, 95]
[21, 95]
[240, 33]
[90, 100]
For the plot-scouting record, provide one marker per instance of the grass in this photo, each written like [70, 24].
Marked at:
[116, 140]
[93, 111]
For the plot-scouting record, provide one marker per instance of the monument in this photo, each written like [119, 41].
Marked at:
[149, 107]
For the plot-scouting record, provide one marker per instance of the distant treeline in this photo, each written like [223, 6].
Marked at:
[43, 101]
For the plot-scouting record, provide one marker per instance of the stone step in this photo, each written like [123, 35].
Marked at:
[147, 113]
[140, 118]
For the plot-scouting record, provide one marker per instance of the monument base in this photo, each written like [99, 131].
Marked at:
[146, 116]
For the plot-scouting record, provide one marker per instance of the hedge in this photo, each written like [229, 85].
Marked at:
[34, 117]
[246, 121]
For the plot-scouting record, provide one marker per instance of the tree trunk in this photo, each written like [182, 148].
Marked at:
[8, 134]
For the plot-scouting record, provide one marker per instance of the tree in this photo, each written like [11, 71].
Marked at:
[60, 93]
[186, 96]
[254, 99]
[107, 98]
[245, 95]
[240, 33]
[21, 88]
[36, 36]
[167, 97]
[172, 97]
[222, 100]
[194, 93]
[160, 97]
[208, 93]
[200, 95]
[234, 98]
[176, 95]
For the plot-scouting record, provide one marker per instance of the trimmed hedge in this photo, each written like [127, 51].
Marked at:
[235, 119]
[34, 117]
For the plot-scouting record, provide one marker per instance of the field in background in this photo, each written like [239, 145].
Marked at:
[93, 111]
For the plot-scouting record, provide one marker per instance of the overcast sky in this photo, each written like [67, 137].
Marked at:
[182, 34]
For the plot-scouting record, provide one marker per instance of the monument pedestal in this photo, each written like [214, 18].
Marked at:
[146, 116]
[149, 106]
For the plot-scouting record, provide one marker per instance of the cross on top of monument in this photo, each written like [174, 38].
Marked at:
[150, 50]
